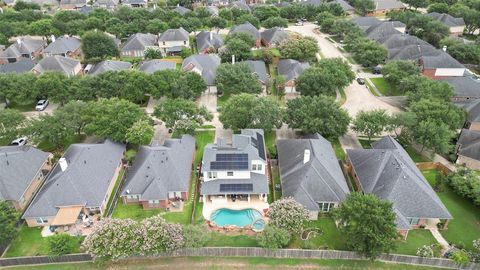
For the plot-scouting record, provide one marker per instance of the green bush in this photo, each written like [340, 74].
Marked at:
[273, 237]
[195, 236]
[61, 244]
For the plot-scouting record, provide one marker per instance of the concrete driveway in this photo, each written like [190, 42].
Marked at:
[34, 114]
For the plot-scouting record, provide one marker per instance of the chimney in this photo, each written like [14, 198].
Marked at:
[211, 35]
[52, 37]
[63, 164]
[306, 156]
[233, 59]
[19, 41]
[444, 48]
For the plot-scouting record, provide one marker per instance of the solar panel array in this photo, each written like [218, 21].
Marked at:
[230, 162]
[236, 187]
[261, 147]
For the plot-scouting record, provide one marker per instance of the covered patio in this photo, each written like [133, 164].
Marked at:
[71, 220]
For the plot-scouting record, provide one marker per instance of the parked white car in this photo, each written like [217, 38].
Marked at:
[19, 141]
[41, 105]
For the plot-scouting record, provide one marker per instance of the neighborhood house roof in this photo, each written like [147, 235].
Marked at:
[18, 165]
[388, 4]
[274, 35]
[179, 34]
[140, 42]
[76, 3]
[440, 60]
[290, 69]
[108, 4]
[320, 179]
[466, 86]
[63, 45]
[469, 144]
[472, 107]
[18, 67]
[382, 31]
[109, 65]
[152, 66]
[447, 19]
[206, 40]
[246, 28]
[407, 47]
[365, 22]
[240, 5]
[181, 10]
[158, 170]
[84, 182]
[388, 172]
[213, 10]
[259, 68]
[134, 2]
[205, 64]
[57, 63]
[344, 4]
[23, 46]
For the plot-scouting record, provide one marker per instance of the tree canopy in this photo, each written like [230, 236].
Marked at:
[301, 48]
[97, 46]
[371, 123]
[237, 78]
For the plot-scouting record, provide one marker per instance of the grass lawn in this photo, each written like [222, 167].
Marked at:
[237, 263]
[365, 144]
[338, 149]
[222, 240]
[276, 180]
[270, 141]
[343, 97]
[329, 238]
[22, 107]
[385, 88]
[134, 211]
[222, 99]
[115, 187]
[49, 147]
[29, 242]
[415, 239]
[465, 225]
[416, 156]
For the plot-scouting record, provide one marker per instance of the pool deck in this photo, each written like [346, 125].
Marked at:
[210, 207]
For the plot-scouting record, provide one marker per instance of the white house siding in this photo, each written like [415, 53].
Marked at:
[449, 72]
[290, 89]
[169, 44]
[211, 89]
[312, 215]
[456, 30]
[468, 162]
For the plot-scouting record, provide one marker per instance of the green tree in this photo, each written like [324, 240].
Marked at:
[235, 79]
[466, 53]
[111, 118]
[151, 53]
[237, 47]
[397, 70]
[363, 6]
[416, 3]
[273, 237]
[369, 53]
[175, 111]
[433, 134]
[11, 122]
[98, 45]
[61, 244]
[248, 18]
[245, 37]
[48, 128]
[438, 7]
[195, 236]
[302, 49]
[140, 133]
[18, 88]
[71, 115]
[420, 87]
[288, 214]
[466, 183]
[368, 223]
[265, 12]
[8, 217]
[248, 111]
[460, 257]
[275, 22]
[55, 86]
[439, 111]
[42, 27]
[371, 123]
[218, 23]
[318, 114]
[21, 5]
[325, 20]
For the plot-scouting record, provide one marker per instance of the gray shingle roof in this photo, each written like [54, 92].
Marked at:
[365, 22]
[27, 45]
[206, 40]
[18, 166]
[134, 2]
[63, 45]
[259, 68]
[90, 170]
[179, 34]
[18, 67]
[109, 65]
[291, 69]
[466, 86]
[319, 180]
[206, 63]
[158, 170]
[388, 4]
[447, 19]
[182, 10]
[240, 5]
[382, 31]
[76, 3]
[246, 28]
[57, 63]
[154, 65]
[388, 172]
[139, 42]
[472, 107]
[274, 35]
[469, 144]
[407, 47]
[440, 60]
[316, 3]
[108, 4]
[213, 10]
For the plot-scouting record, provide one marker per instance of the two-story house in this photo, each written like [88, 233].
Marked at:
[172, 41]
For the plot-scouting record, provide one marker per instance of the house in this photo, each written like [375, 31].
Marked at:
[217, 3]
[242, 5]
[407, 47]
[106, 4]
[160, 175]
[291, 69]
[181, 10]
[441, 65]
[135, 3]
[109, 65]
[154, 65]
[472, 108]
[249, 29]
[384, 6]
[172, 41]
[273, 37]
[365, 23]
[64, 46]
[388, 172]
[80, 184]
[137, 44]
[383, 31]
[85, 10]
[468, 149]
[235, 175]
[206, 66]
[23, 48]
[311, 174]
[213, 10]
[208, 42]
[57, 63]
[72, 4]
[18, 67]
[456, 25]
[23, 171]
[349, 10]
[259, 68]
[466, 87]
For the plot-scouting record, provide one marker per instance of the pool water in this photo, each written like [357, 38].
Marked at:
[240, 218]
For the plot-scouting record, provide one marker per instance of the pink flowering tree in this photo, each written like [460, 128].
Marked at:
[288, 214]
[113, 239]
[160, 236]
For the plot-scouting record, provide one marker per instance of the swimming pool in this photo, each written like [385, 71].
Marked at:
[240, 218]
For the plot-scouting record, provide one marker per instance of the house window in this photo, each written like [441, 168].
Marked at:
[212, 175]
[229, 173]
[164, 43]
[185, 42]
[154, 201]
[41, 220]
[325, 206]
[132, 197]
[413, 221]
[259, 167]
[256, 167]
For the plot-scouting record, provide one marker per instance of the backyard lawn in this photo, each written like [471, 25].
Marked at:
[415, 239]
[465, 225]
[222, 99]
[270, 141]
[276, 181]
[339, 152]
[415, 155]
[365, 143]
[114, 190]
[134, 211]
[329, 236]
[222, 240]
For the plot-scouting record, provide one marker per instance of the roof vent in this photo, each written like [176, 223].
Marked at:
[306, 156]
[127, 191]
[63, 163]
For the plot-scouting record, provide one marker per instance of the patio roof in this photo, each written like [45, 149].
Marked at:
[67, 215]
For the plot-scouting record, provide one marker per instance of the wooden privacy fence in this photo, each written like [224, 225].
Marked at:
[253, 252]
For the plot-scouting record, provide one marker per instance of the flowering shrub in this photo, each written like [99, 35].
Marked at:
[288, 214]
[425, 251]
[475, 253]
[159, 236]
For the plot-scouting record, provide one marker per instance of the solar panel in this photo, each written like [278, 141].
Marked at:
[229, 165]
[236, 187]
[232, 157]
[261, 148]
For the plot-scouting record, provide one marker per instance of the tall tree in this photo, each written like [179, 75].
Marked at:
[237, 47]
[235, 79]
[368, 223]
[97, 46]
[371, 123]
[140, 133]
[55, 86]
[369, 53]
[8, 218]
[318, 114]
[48, 128]
[397, 70]
[301, 49]
[10, 123]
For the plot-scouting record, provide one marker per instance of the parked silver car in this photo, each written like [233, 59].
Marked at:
[41, 105]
